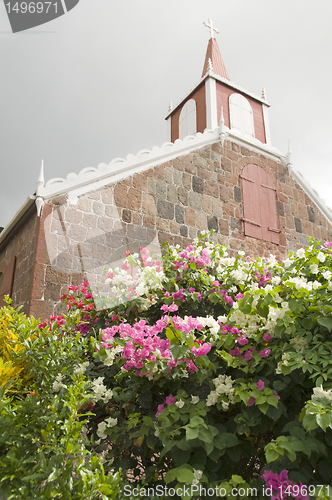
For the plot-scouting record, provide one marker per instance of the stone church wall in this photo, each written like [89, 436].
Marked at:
[171, 202]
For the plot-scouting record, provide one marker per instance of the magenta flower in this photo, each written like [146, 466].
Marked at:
[236, 353]
[242, 340]
[159, 410]
[276, 394]
[267, 337]
[264, 353]
[191, 289]
[251, 401]
[248, 355]
[260, 385]
[239, 296]
[170, 399]
[328, 244]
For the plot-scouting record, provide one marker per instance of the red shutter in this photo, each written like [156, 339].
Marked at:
[259, 204]
[7, 282]
[251, 202]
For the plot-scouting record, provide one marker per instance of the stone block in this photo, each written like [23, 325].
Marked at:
[184, 231]
[105, 224]
[235, 224]
[298, 225]
[107, 196]
[149, 221]
[212, 223]
[151, 185]
[149, 205]
[211, 189]
[140, 182]
[120, 195]
[98, 208]
[159, 172]
[94, 195]
[226, 164]
[195, 200]
[161, 189]
[77, 233]
[137, 233]
[189, 217]
[126, 215]
[186, 179]
[206, 203]
[137, 219]
[165, 209]
[165, 237]
[134, 199]
[198, 184]
[112, 211]
[179, 214]
[183, 195]
[172, 194]
[90, 220]
[168, 175]
[84, 204]
[201, 221]
[311, 214]
[174, 227]
[199, 161]
[280, 208]
[192, 232]
[177, 177]
[237, 194]
[217, 207]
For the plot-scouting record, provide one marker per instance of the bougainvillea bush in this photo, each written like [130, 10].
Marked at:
[207, 375]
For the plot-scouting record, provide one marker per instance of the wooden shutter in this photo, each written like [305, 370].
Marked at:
[7, 281]
[259, 204]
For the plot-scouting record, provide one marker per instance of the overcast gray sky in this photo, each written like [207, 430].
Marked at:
[95, 84]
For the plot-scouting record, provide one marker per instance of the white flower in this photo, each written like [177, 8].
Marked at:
[319, 393]
[321, 257]
[197, 476]
[80, 369]
[179, 403]
[300, 253]
[314, 268]
[111, 422]
[194, 400]
[57, 385]
[111, 356]
[241, 252]
[327, 275]
[101, 392]
[156, 432]
[101, 430]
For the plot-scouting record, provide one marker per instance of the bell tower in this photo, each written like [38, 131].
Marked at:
[216, 99]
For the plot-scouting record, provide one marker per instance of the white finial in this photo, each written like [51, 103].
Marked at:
[289, 156]
[209, 66]
[222, 129]
[40, 185]
[170, 106]
[263, 94]
[209, 24]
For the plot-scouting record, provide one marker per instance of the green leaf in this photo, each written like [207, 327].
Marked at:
[323, 421]
[191, 433]
[205, 435]
[271, 456]
[325, 321]
[185, 475]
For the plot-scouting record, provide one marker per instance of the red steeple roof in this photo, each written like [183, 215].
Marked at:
[213, 53]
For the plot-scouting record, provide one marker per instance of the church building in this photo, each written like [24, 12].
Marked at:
[217, 171]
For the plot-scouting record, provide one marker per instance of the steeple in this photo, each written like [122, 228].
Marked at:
[213, 53]
[216, 99]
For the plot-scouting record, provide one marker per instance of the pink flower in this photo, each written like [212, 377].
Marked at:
[110, 275]
[159, 410]
[260, 385]
[276, 394]
[248, 354]
[191, 289]
[201, 351]
[265, 353]
[170, 399]
[125, 266]
[267, 337]
[239, 296]
[251, 401]
[236, 353]
[328, 244]
[242, 340]
[144, 250]
[88, 296]
[192, 367]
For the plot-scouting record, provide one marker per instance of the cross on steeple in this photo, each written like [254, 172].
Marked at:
[209, 24]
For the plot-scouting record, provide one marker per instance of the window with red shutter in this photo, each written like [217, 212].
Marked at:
[7, 281]
[259, 204]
